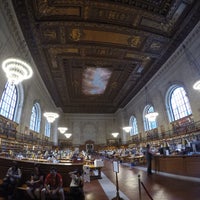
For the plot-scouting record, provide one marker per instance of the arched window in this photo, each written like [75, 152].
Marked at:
[178, 105]
[133, 124]
[47, 129]
[11, 101]
[149, 124]
[8, 101]
[35, 118]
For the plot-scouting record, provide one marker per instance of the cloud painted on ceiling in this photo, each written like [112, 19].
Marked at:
[95, 80]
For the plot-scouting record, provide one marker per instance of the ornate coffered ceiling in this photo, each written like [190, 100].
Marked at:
[125, 42]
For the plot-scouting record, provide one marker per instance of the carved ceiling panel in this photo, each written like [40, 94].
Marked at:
[118, 45]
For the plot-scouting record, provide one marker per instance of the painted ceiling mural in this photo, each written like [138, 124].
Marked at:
[94, 56]
[95, 80]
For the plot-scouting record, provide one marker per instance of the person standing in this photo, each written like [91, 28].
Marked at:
[149, 156]
[53, 186]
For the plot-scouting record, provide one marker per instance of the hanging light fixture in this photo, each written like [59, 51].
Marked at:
[196, 85]
[16, 70]
[62, 129]
[50, 116]
[127, 128]
[151, 116]
[195, 64]
[68, 135]
[115, 134]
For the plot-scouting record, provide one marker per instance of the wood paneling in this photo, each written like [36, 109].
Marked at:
[179, 165]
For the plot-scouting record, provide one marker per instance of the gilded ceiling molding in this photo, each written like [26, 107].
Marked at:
[158, 7]
[94, 31]
[76, 34]
[86, 26]
[135, 41]
[45, 8]
[98, 51]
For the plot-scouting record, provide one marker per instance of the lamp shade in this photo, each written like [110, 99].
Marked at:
[196, 85]
[68, 135]
[62, 129]
[115, 134]
[16, 70]
[150, 113]
[151, 116]
[51, 116]
[127, 128]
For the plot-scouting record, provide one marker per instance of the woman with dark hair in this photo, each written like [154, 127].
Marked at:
[35, 184]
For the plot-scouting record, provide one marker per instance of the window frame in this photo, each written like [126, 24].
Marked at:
[47, 131]
[18, 102]
[168, 103]
[133, 124]
[35, 123]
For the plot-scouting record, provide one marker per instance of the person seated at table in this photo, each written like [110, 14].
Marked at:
[52, 159]
[76, 185]
[11, 181]
[35, 184]
[53, 186]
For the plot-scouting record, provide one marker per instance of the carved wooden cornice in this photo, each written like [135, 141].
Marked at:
[132, 38]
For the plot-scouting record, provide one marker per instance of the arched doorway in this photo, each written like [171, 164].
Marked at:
[89, 146]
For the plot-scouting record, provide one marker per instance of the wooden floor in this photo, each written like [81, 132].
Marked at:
[160, 187]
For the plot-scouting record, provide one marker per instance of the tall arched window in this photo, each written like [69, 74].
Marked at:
[8, 101]
[47, 129]
[149, 125]
[133, 124]
[35, 118]
[178, 105]
[11, 101]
